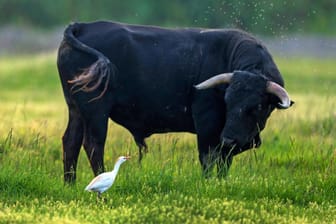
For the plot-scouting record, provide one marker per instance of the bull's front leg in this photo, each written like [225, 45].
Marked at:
[207, 162]
[209, 154]
[224, 163]
[209, 122]
[215, 156]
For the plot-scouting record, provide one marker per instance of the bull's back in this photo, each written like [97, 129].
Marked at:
[139, 53]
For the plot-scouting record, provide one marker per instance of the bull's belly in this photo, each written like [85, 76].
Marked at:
[146, 123]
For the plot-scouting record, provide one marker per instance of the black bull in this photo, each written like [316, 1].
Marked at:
[220, 84]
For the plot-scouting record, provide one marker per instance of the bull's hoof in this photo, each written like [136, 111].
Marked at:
[69, 179]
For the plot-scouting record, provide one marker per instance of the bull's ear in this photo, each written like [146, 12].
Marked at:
[278, 106]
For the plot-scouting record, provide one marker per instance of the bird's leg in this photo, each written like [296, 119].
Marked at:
[100, 199]
[98, 196]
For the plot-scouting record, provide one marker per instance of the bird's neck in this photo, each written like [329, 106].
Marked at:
[117, 166]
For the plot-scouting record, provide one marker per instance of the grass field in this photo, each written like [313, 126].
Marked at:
[290, 179]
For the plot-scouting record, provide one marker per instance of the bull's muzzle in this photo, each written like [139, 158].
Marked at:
[228, 142]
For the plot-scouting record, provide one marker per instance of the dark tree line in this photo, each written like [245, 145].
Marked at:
[271, 17]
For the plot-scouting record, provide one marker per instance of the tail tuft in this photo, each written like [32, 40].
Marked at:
[92, 77]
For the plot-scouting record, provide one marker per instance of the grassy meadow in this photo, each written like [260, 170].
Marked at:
[290, 179]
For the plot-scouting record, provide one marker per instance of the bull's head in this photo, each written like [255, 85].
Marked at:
[249, 100]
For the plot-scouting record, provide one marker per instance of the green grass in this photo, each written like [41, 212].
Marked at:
[290, 179]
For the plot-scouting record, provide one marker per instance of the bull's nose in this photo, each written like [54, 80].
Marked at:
[228, 142]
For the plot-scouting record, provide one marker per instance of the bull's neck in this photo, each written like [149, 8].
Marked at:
[232, 55]
[241, 58]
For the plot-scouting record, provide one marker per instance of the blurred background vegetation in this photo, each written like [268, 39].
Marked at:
[268, 17]
[289, 28]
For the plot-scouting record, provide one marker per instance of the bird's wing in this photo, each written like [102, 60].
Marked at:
[100, 181]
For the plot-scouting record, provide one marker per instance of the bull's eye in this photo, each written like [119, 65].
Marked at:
[253, 111]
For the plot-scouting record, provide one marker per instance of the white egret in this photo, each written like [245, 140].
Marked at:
[104, 181]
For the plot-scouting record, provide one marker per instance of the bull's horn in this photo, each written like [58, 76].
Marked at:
[280, 92]
[214, 81]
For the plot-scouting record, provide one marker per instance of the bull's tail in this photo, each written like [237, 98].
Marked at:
[92, 77]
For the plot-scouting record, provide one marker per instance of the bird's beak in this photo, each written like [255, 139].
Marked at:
[127, 157]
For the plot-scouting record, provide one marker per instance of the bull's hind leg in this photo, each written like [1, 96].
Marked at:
[94, 140]
[72, 141]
